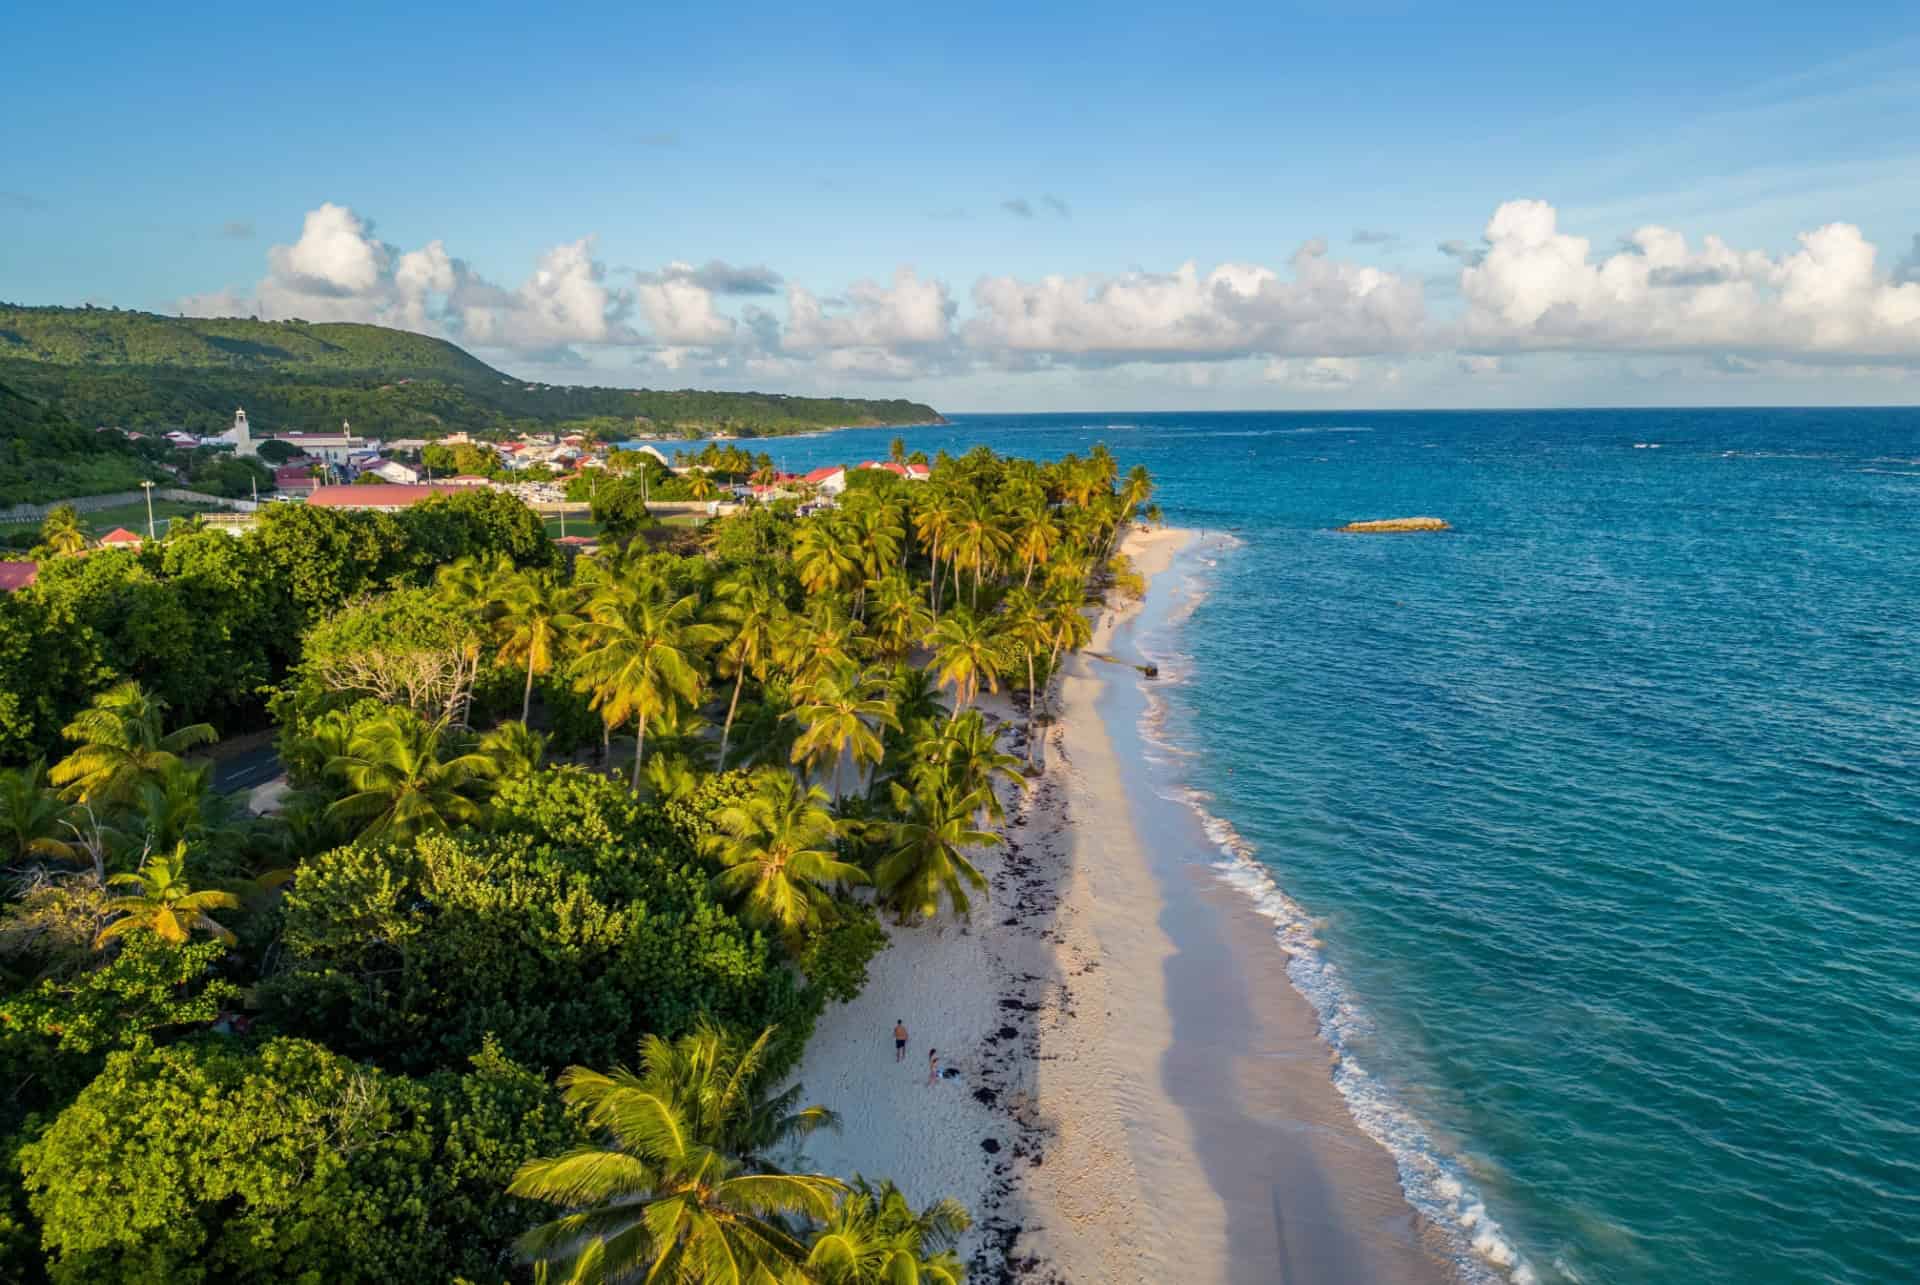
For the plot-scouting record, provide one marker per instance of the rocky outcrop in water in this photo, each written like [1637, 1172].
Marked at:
[1398, 524]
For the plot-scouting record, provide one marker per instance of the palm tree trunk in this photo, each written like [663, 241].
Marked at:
[1027, 580]
[606, 741]
[526, 698]
[639, 748]
[836, 776]
[933, 581]
[726, 728]
[1033, 698]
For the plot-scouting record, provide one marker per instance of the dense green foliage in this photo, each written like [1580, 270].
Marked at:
[210, 1161]
[583, 923]
[44, 455]
[206, 621]
[133, 369]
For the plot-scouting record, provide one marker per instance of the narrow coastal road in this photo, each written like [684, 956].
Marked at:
[245, 771]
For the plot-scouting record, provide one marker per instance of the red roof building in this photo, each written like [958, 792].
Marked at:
[17, 575]
[120, 538]
[294, 477]
[386, 497]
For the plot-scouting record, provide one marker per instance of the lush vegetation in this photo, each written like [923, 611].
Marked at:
[104, 366]
[572, 856]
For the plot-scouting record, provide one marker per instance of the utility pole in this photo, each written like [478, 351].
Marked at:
[148, 488]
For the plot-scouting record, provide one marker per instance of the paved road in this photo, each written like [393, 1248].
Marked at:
[245, 771]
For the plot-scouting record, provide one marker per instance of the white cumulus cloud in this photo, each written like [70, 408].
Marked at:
[1325, 308]
[338, 270]
[1535, 286]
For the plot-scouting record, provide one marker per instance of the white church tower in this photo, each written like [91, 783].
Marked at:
[240, 435]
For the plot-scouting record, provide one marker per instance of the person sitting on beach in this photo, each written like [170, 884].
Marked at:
[899, 1040]
[933, 1064]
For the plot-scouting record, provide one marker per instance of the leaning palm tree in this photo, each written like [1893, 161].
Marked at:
[31, 816]
[840, 715]
[122, 742]
[967, 654]
[400, 786]
[674, 1191]
[751, 617]
[164, 903]
[777, 849]
[535, 621]
[61, 531]
[927, 857]
[642, 655]
[876, 1238]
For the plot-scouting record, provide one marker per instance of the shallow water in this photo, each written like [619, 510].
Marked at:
[1593, 825]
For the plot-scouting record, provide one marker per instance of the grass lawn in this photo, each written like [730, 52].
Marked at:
[132, 516]
[575, 526]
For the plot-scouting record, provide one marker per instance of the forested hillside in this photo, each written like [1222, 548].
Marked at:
[139, 370]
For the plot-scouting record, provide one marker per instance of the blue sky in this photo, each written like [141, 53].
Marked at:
[987, 150]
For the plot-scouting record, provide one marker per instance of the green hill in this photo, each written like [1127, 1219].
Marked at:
[98, 366]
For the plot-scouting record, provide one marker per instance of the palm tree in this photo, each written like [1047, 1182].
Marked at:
[964, 757]
[767, 728]
[670, 777]
[841, 712]
[400, 785]
[978, 543]
[61, 531]
[1068, 628]
[673, 1191]
[513, 750]
[642, 656]
[934, 520]
[817, 643]
[927, 857]
[31, 815]
[967, 653]
[175, 805]
[474, 584]
[1025, 626]
[877, 527]
[824, 551]
[752, 617]
[777, 847]
[899, 621]
[165, 903]
[1035, 535]
[121, 744]
[700, 486]
[536, 619]
[876, 1238]
[1134, 492]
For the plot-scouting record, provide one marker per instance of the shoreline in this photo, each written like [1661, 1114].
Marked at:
[1143, 1094]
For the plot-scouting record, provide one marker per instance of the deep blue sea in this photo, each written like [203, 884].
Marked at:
[1594, 824]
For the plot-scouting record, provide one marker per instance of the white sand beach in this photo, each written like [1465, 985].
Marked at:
[1142, 1096]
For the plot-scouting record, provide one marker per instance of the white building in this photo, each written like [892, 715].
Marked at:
[334, 448]
[396, 472]
[239, 437]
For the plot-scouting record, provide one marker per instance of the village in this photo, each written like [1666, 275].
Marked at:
[558, 476]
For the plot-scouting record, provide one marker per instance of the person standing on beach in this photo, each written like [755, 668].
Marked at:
[933, 1064]
[899, 1040]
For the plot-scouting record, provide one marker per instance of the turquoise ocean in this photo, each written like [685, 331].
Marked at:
[1592, 827]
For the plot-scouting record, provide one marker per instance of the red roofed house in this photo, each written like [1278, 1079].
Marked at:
[17, 575]
[912, 472]
[387, 498]
[830, 478]
[294, 477]
[120, 538]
